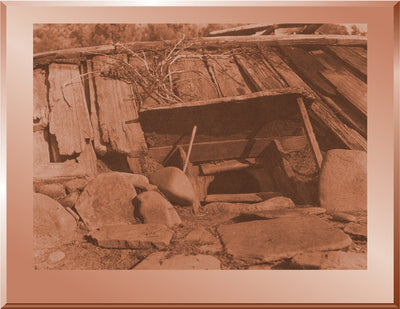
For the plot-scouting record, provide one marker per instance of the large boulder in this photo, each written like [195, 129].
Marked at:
[271, 240]
[52, 224]
[152, 207]
[54, 190]
[343, 181]
[176, 186]
[107, 199]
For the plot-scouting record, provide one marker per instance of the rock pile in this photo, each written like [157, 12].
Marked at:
[117, 211]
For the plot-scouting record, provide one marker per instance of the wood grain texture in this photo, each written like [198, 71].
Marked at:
[260, 76]
[348, 85]
[230, 149]
[117, 113]
[348, 136]
[309, 68]
[228, 77]
[40, 102]
[351, 57]
[69, 118]
[191, 79]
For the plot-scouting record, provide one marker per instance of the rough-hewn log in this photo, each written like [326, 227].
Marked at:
[210, 42]
[229, 165]
[231, 149]
[240, 197]
[348, 136]
[69, 118]
[310, 132]
[237, 99]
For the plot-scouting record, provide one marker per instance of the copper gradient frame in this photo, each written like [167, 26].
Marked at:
[64, 301]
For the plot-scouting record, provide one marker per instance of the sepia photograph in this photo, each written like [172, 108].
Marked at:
[200, 146]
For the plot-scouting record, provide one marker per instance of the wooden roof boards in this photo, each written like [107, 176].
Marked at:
[191, 79]
[352, 58]
[227, 75]
[348, 85]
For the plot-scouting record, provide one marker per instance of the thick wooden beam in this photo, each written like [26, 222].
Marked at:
[209, 42]
[310, 132]
[240, 197]
[236, 99]
[229, 165]
[230, 149]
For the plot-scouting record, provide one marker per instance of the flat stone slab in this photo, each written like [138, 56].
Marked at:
[159, 261]
[135, 236]
[285, 213]
[271, 240]
[272, 204]
[343, 217]
[357, 230]
[331, 260]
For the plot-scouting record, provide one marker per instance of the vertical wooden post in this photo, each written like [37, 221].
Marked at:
[310, 132]
[190, 148]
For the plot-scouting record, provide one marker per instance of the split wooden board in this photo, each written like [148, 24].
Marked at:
[117, 113]
[69, 118]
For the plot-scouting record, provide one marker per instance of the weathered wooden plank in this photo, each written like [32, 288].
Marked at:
[117, 113]
[309, 68]
[210, 42]
[69, 117]
[348, 85]
[231, 149]
[349, 137]
[260, 76]
[191, 80]
[40, 148]
[40, 102]
[99, 147]
[242, 30]
[289, 91]
[228, 77]
[351, 58]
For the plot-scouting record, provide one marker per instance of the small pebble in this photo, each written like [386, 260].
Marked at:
[56, 256]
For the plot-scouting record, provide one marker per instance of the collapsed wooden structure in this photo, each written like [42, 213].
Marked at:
[250, 97]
